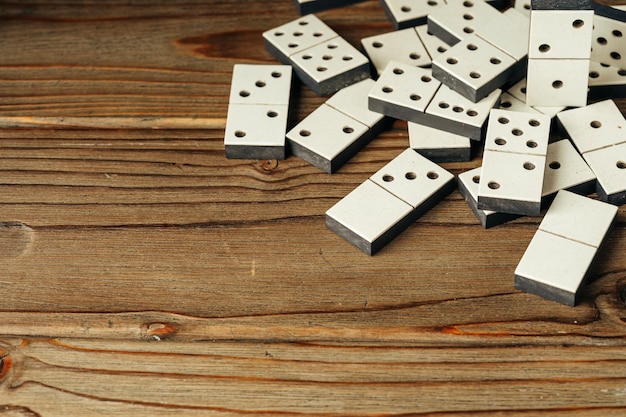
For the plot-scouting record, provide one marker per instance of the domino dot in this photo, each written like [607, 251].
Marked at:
[414, 56]
[602, 41]
[468, 4]
[347, 58]
[398, 71]
[405, 9]
[595, 124]
[317, 34]
[503, 120]
[621, 164]
[452, 61]
[387, 89]
[297, 33]
[277, 74]
[244, 93]
[523, 90]
[443, 105]
[529, 166]
[305, 133]
[293, 45]
[432, 3]
[260, 84]
[616, 55]
[578, 23]
[468, 16]
[557, 84]
[617, 33]
[272, 114]
[534, 122]
[531, 144]
[493, 185]
[441, 49]
[471, 113]
[476, 179]
[457, 109]
[506, 104]
[554, 165]
[517, 132]
[474, 74]
[495, 61]
[240, 133]
[321, 69]
[303, 23]
[472, 47]
[468, 29]
[622, 72]
[348, 129]
[388, 178]
[544, 47]
[305, 57]
[327, 57]
[410, 175]
[500, 142]
[332, 46]
[426, 79]
[432, 175]
[594, 74]
[415, 97]
[377, 45]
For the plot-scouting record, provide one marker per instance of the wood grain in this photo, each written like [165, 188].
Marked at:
[144, 273]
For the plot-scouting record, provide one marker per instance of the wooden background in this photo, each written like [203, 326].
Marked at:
[144, 273]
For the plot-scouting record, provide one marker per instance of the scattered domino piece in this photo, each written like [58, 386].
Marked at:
[257, 112]
[451, 112]
[323, 60]
[389, 201]
[606, 81]
[313, 6]
[438, 145]
[514, 162]
[559, 50]
[609, 46]
[408, 13]
[338, 129]
[403, 92]
[468, 187]
[474, 68]
[460, 18]
[609, 164]
[400, 46]
[433, 44]
[566, 170]
[557, 260]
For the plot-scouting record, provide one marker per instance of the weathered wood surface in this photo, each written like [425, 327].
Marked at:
[144, 273]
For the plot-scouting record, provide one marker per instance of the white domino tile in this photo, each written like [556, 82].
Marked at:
[412, 178]
[403, 91]
[352, 101]
[473, 68]
[594, 126]
[609, 42]
[438, 145]
[509, 33]
[260, 84]
[557, 82]
[409, 13]
[256, 131]
[433, 44]
[329, 66]
[609, 165]
[557, 261]
[454, 113]
[606, 81]
[389, 201]
[566, 170]
[468, 187]
[401, 46]
[296, 36]
[560, 34]
[519, 132]
[460, 18]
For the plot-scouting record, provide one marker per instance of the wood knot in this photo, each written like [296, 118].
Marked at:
[269, 164]
[15, 239]
[621, 290]
[17, 411]
[159, 331]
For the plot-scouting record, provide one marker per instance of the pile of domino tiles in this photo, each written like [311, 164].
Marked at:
[463, 74]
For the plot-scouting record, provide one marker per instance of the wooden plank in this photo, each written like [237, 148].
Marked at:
[144, 273]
